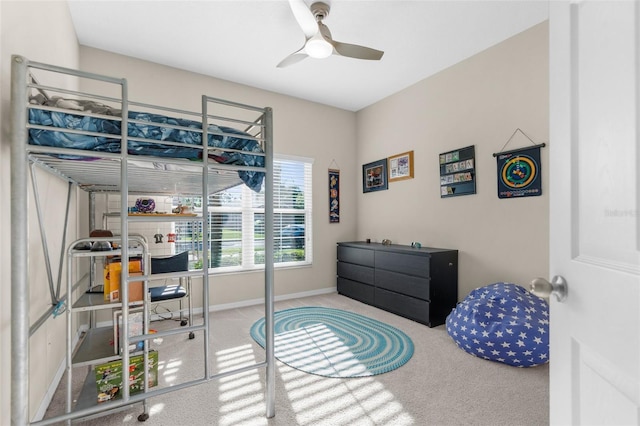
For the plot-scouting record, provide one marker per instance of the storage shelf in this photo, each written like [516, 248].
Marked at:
[89, 397]
[161, 214]
[95, 348]
[117, 252]
[158, 217]
[164, 218]
[89, 394]
[95, 301]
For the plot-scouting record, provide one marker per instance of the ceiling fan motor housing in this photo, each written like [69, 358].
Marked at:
[320, 10]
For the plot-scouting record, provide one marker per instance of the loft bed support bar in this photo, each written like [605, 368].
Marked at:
[55, 293]
[119, 403]
[69, 71]
[249, 124]
[19, 256]
[206, 236]
[269, 216]
[43, 89]
[49, 169]
[232, 104]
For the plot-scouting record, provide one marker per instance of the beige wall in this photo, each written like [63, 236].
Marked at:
[480, 101]
[301, 128]
[27, 30]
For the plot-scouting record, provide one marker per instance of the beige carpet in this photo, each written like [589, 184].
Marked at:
[440, 385]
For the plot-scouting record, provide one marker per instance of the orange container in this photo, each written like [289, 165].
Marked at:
[112, 272]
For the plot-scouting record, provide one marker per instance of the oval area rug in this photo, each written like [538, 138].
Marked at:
[335, 343]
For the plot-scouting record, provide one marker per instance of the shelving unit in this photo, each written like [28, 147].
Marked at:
[96, 345]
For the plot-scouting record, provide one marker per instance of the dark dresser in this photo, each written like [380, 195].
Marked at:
[417, 283]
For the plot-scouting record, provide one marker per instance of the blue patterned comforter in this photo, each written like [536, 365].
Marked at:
[153, 130]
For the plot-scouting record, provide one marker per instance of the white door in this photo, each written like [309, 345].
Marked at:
[595, 211]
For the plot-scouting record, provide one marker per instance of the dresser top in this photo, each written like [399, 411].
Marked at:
[398, 248]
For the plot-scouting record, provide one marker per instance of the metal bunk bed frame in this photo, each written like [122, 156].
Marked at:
[23, 154]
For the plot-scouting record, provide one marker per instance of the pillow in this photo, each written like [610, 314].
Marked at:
[502, 322]
[74, 104]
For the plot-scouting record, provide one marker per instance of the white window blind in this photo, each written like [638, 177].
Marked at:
[237, 228]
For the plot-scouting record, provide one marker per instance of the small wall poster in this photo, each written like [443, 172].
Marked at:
[334, 196]
[519, 173]
[458, 172]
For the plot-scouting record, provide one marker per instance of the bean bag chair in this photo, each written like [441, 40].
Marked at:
[502, 322]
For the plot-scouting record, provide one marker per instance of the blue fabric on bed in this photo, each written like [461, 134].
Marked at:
[502, 322]
[147, 131]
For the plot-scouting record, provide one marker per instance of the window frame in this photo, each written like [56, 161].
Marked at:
[249, 211]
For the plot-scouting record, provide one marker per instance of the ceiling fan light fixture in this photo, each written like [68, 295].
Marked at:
[318, 48]
[319, 44]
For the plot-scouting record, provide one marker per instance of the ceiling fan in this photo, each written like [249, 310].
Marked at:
[318, 43]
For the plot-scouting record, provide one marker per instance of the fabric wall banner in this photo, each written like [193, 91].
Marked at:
[519, 173]
[334, 196]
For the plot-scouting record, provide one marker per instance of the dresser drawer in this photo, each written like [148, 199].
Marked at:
[404, 284]
[364, 274]
[356, 290]
[356, 255]
[403, 263]
[408, 307]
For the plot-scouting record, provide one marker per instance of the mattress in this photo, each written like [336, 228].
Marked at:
[152, 128]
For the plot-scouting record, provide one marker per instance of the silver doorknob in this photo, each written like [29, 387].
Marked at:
[543, 288]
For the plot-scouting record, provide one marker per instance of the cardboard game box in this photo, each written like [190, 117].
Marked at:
[109, 376]
[111, 277]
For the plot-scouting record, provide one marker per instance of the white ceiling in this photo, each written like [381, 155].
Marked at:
[243, 40]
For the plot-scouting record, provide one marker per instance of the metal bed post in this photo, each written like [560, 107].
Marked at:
[124, 237]
[92, 261]
[19, 256]
[268, 263]
[205, 232]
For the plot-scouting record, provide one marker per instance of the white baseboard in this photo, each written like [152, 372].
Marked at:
[260, 301]
[57, 378]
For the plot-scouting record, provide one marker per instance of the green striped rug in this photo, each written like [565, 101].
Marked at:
[335, 343]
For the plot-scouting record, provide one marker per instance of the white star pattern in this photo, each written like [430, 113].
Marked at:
[504, 316]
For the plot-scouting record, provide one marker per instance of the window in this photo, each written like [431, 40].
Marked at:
[237, 222]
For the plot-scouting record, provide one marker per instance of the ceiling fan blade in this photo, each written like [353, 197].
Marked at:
[294, 58]
[355, 51]
[305, 18]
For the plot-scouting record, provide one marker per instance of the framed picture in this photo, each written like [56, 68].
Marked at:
[458, 172]
[400, 166]
[374, 176]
